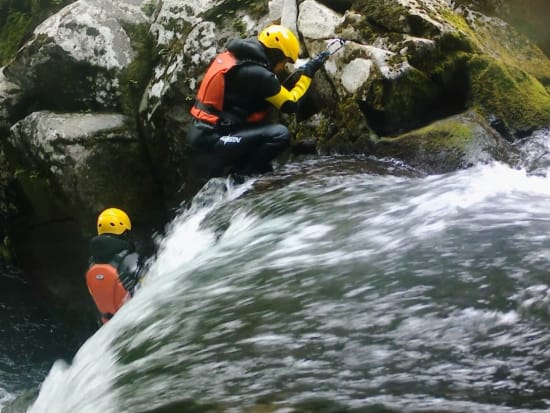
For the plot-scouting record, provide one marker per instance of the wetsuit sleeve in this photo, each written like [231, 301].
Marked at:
[129, 270]
[286, 100]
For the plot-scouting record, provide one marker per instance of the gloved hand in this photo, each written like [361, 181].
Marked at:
[315, 64]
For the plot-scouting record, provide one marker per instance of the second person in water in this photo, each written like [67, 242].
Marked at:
[115, 266]
[229, 132]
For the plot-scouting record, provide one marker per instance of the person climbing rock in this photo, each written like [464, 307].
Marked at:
[230, 132]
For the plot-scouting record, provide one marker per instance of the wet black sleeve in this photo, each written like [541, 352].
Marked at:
[260, 81]
[129, 271]
[267, 88]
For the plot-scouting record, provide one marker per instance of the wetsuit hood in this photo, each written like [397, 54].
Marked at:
[104, 247]
[249, 49]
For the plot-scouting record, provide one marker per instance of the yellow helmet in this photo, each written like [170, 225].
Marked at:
[113, 221]
[279, 37]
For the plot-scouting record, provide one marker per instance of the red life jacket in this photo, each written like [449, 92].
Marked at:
[208, 106]
[106, 289]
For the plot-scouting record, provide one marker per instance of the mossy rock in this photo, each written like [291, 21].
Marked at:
[453, 143]
[414, 99]
[43, 196]
[324, 131]
[136, 76]
[389, 17]
[517, 101]
[18, 19]
[229, 8]
[503, 43]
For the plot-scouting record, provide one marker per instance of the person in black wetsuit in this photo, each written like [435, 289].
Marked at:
[229, 133]
[114, 265]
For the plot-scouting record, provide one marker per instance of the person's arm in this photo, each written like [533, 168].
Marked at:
[129, 271]
[287, 100]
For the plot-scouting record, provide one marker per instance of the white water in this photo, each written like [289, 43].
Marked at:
[383, 226]
[5, 397]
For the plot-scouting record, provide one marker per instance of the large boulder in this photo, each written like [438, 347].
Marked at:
[76, 59]
[456, 142]
[407, 64]
[528, 16]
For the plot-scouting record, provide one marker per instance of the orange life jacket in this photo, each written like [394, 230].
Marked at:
[208, 106]
[106, 289]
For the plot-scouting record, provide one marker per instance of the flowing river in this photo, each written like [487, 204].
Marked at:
[336, 289]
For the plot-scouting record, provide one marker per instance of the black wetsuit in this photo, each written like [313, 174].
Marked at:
[120, 253]
[235, 144]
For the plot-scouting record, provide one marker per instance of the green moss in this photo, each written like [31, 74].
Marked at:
[220, 13]
[16, 27]
[19, 18]
[493, 69]
[354, 138]
[439, 147]
[390, 18]
[504, 43]
[515, 97]
[384, 14]
[456, 20]
[149, 7]
[134, 79]
[406, 102]
[240, 27]
[450, 134]
[360, 25]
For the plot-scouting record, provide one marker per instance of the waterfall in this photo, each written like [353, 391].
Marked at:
[335, 288]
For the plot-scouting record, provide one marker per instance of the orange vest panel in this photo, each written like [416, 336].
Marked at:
[106, 289]
[212, 88]
[212, 91]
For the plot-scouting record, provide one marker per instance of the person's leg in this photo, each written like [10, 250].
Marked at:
[205, 161]
[277, 140]
[251, 150]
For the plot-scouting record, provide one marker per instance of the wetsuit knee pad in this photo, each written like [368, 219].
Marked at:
[279, 134]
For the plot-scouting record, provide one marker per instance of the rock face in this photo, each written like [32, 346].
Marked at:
[528, 16]
[449, 144]
[94, 107]
[94, 158]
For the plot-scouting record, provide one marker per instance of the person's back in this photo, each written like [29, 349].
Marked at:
[114, 264]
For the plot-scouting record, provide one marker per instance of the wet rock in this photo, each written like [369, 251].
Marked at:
[453, 143]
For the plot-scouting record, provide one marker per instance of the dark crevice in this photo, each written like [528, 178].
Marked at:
[420, 27]
[451, 99]
[339, 6]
